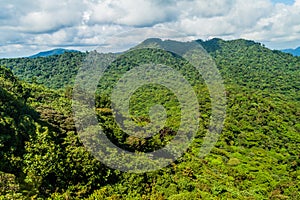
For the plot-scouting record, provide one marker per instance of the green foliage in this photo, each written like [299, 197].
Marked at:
[38, 144]
[56, 71]
[256, 157]
[250, 64]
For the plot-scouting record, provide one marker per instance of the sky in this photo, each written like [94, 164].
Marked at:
[28, 27]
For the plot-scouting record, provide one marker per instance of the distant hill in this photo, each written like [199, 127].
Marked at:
[295, 52]
[52, 52]
[52, 71]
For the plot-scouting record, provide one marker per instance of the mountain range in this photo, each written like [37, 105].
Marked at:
[295, 52]
[59, 51]
[52, 52]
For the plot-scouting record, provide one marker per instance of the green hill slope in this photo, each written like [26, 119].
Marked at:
[39, 150]
[55, 72]
[250, 64]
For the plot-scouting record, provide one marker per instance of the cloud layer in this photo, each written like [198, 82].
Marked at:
[30, 26]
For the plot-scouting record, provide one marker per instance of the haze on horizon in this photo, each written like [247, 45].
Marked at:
[27, 27]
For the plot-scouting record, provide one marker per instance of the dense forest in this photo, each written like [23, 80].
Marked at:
[256, 157]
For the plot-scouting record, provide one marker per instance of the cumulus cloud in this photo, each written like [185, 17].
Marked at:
[138, 13]
[51, 16]
[35, 25]
[204, 8]
[282, 26]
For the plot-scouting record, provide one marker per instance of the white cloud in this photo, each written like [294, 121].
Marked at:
[245, 14]
[52, 16]
[282, 25]
[204, 8]
[131, 12]
[39, 24]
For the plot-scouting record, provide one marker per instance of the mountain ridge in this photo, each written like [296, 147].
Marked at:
[52, 52]
[295, 52]
[234, 58]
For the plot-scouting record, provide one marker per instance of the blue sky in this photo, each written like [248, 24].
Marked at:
[27, 27]
[289, 2]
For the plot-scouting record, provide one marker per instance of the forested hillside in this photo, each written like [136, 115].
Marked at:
[242, 62]
[55, 72]
[256, 157]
